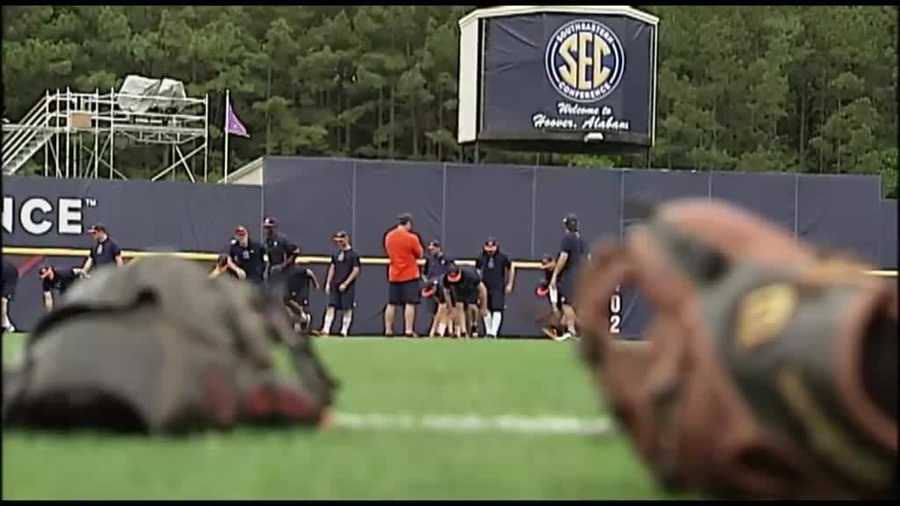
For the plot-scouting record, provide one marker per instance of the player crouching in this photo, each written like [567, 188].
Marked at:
[297, 278]
[442, 325]
[467, 295]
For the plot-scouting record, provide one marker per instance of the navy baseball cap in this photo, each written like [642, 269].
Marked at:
[97, 227]
[491, 241]
[435, 243]
[270, 222]
[340, 234]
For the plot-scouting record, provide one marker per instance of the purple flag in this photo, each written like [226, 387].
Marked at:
[232, 124]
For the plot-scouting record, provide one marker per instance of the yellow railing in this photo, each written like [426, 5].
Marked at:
[313, 259]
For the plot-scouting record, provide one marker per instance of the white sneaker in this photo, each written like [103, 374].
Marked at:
[565, 336]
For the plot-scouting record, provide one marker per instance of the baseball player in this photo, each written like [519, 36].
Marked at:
[10, 280]
[467, 295]
[436, 265]
[496, 271]
[340, 285]
[572, 251]
[57, 279]
[296, 295]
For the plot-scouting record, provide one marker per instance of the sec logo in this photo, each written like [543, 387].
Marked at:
[584, 60]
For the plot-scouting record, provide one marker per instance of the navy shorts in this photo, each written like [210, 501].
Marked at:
[566, 290]
[406, 292]
[464, 296]
[342, 301]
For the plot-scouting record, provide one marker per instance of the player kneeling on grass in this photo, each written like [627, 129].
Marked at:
[57, 279]
[468, 297]
[297, 278]
[340, 285]
[158, 347]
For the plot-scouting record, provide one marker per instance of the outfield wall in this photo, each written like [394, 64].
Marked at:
[140, 215]
[461, 204]
[522, 206]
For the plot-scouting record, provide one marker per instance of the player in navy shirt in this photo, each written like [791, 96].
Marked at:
[105, 251]
[497, 274]
[467, 294]
[10, 280]
[298, 278]
[572, 252]
[246, 256]
[280, 251]
[436, 265]
[340, 285]
[56, 279]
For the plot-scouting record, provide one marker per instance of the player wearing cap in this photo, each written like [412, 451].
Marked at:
[7, 291]
[340, 285]
[572, 251]
[297, 279]
[404, 249]
[104, 252]
[467, 295]
[280, 251]
[56, 279]
[498, 276]
[246, 257]
[436, 265]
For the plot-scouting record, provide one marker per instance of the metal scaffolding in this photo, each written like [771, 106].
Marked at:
[78, 133]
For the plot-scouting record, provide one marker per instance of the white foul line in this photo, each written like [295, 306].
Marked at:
[474, 423]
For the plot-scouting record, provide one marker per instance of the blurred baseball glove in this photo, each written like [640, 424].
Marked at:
[156, 346]
[766, 371]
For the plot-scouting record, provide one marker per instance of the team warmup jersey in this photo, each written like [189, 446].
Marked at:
[298, 281]
[250, 258]
[344, 261]
[105, 253]
[573, 244]
[436, 266]
[493, 269]
[277, 248]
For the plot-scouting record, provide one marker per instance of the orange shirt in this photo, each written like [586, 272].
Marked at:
[403, 249]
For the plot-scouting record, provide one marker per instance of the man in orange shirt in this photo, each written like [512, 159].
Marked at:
[403, 249]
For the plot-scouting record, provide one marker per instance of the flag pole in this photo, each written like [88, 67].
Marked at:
[227, 98]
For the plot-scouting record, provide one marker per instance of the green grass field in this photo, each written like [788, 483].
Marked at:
[379, 376]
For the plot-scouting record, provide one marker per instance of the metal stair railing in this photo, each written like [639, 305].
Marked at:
[23, 131]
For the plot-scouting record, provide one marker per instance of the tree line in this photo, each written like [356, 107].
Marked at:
[761, 88]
